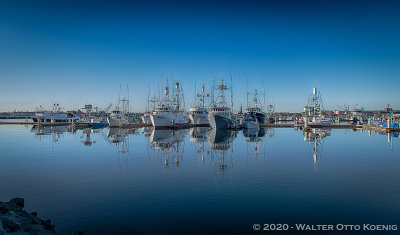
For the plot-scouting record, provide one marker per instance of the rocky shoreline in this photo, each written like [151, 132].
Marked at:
[15, 220]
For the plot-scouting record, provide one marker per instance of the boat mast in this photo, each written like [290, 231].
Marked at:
[231, 93]
[148, 99]
[195, 95]
[127, 101]
[203, 95]
[247, 92]
[264, 94]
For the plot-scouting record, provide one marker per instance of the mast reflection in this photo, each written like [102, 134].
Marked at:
[315, 138]
[220, 141]
[254, 138]
[198, 135]
[169, 143]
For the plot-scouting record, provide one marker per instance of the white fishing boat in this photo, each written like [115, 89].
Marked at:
[146, 117]
[199, 114]
[54, 116]
[119, 117]
[169, 114]
[313, 111]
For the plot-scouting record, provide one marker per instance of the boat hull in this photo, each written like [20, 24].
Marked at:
[218, 121]
[251, 125]
[169, 120]
[199, 119]
[117, 122]
[146, 119]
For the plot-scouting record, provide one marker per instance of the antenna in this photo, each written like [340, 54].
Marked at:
[195, 94]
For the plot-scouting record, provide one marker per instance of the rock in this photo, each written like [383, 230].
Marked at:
[35, 220]
[16, 203]
[9, 225]
[2, 232]
[34, 213]
[48, 226]
[3, 208]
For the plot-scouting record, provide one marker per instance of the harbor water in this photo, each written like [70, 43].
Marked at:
[199, 181]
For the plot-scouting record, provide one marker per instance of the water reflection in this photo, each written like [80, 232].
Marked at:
[213, 146]
[254, 138]
[170, 143]
[55, 132]
[198, 136]
[86, 132]
[220, 140]
[315, 138]
[120, 138]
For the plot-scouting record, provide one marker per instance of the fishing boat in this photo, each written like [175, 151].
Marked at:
[54, 116]
[221, 116]
[313, 111]
[199, 114]
[254, 114]
[146, 117]
[119, 117]
[169, 113]
[250, 121]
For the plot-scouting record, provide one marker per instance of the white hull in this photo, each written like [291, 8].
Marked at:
[168, 120]
[146, 118]
[199, 119]
[118, 121]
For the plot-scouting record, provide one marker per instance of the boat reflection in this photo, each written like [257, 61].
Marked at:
[198, 135]
[120, 137]
[147, 131]
[254, 138]
[169, 143]
[315, 138]
[220, 141]
[56, 132]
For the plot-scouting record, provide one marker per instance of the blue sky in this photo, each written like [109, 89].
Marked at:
[83, 51]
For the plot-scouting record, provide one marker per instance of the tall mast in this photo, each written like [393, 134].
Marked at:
[148, 99]
[231, 93]
[127, 87]
[203, 95]
[213, 102]
[119, 97]
[195, 94]
[247, 92]
[264, 94]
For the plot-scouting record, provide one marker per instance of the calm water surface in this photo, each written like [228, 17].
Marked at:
[200, 181]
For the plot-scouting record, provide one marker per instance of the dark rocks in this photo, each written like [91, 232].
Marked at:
[9, 225]
[48, 226]
[3, 208]
[15, 220]
[16, 204]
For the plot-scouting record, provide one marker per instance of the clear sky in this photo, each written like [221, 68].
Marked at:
[84, 50]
